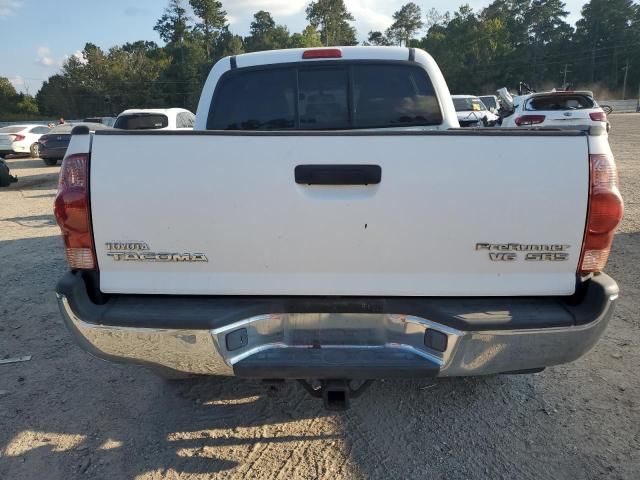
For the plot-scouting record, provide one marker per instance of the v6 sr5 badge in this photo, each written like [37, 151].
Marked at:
[512, 252]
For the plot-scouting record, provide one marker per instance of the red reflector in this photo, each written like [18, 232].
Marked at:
[525, 120]
[322, 53]
[598, 116]
[71, 208]
[605, 212]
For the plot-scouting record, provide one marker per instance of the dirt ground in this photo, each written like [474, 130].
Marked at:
[66, 415]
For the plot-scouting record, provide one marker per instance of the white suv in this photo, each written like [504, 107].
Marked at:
[556, 109]
[21, 139]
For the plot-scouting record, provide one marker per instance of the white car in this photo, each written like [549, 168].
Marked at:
[155, 119]
[491, 102]
[556, 109]
[21, 139]
[472, 112]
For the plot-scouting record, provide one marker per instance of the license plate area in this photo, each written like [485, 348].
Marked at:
[331, 331]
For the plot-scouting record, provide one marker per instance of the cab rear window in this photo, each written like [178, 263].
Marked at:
[325, 96]
[560, 102]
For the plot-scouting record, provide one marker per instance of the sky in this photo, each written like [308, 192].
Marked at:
[36, 36]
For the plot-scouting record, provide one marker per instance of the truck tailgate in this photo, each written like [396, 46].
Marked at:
[455, 214]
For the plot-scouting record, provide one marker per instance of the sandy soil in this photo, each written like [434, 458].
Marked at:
[65, 415]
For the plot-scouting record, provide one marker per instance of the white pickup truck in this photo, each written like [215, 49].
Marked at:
[327, 221]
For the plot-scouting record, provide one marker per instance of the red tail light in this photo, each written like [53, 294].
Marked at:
[605, 212]
[71, 209]
[17, 138]
[525, 120]
[598, 116]
[322, 53]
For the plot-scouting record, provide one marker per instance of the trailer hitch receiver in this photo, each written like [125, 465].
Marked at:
[336, 394]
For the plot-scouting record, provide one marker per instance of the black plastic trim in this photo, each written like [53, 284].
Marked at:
[233, 62]
[338, 174]
[463, 313]
[456, 132]
[412, 54]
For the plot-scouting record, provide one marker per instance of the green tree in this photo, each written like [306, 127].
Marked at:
[435, 18]
[174, 23]
[263, 23]
[309, 38]
[606, 39]
[378, 39]
[264, 34]
[26, 105]
[54, 97]
[548, 32]
[465, 47]
[407, 23]
[212, 17]
[332, 19]
[229, 44]
[7, 96]
[6, 88]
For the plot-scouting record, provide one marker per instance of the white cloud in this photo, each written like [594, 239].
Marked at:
[9, 7]
[285, 8]
[45, 59]
[17, 82]
[372, 15]
[78, 55]
[369, 14]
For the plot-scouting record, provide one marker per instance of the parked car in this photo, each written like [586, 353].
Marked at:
[155, 119]
[491, 102]
[53, 145]
[19, 139]
[385, 243]
[556, 109]
[106, 121]
[472, 112]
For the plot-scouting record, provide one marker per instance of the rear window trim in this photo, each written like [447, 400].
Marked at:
[143, 114]
[13, 132]
[527, 104]
[347, 64]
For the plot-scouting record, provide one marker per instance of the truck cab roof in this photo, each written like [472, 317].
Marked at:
[303, 58]
[346, 53]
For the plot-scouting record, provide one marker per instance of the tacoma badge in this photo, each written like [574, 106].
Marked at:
[140, 252]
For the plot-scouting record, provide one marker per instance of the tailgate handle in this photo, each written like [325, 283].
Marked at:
[338, 174]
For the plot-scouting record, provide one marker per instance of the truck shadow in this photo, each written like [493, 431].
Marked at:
[70, 415]
[214, 425]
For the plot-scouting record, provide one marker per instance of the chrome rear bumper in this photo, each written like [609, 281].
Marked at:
[342, 345]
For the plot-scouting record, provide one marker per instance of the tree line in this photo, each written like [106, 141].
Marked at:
[507, 42]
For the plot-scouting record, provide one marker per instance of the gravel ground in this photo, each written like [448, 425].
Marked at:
[65, 415]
